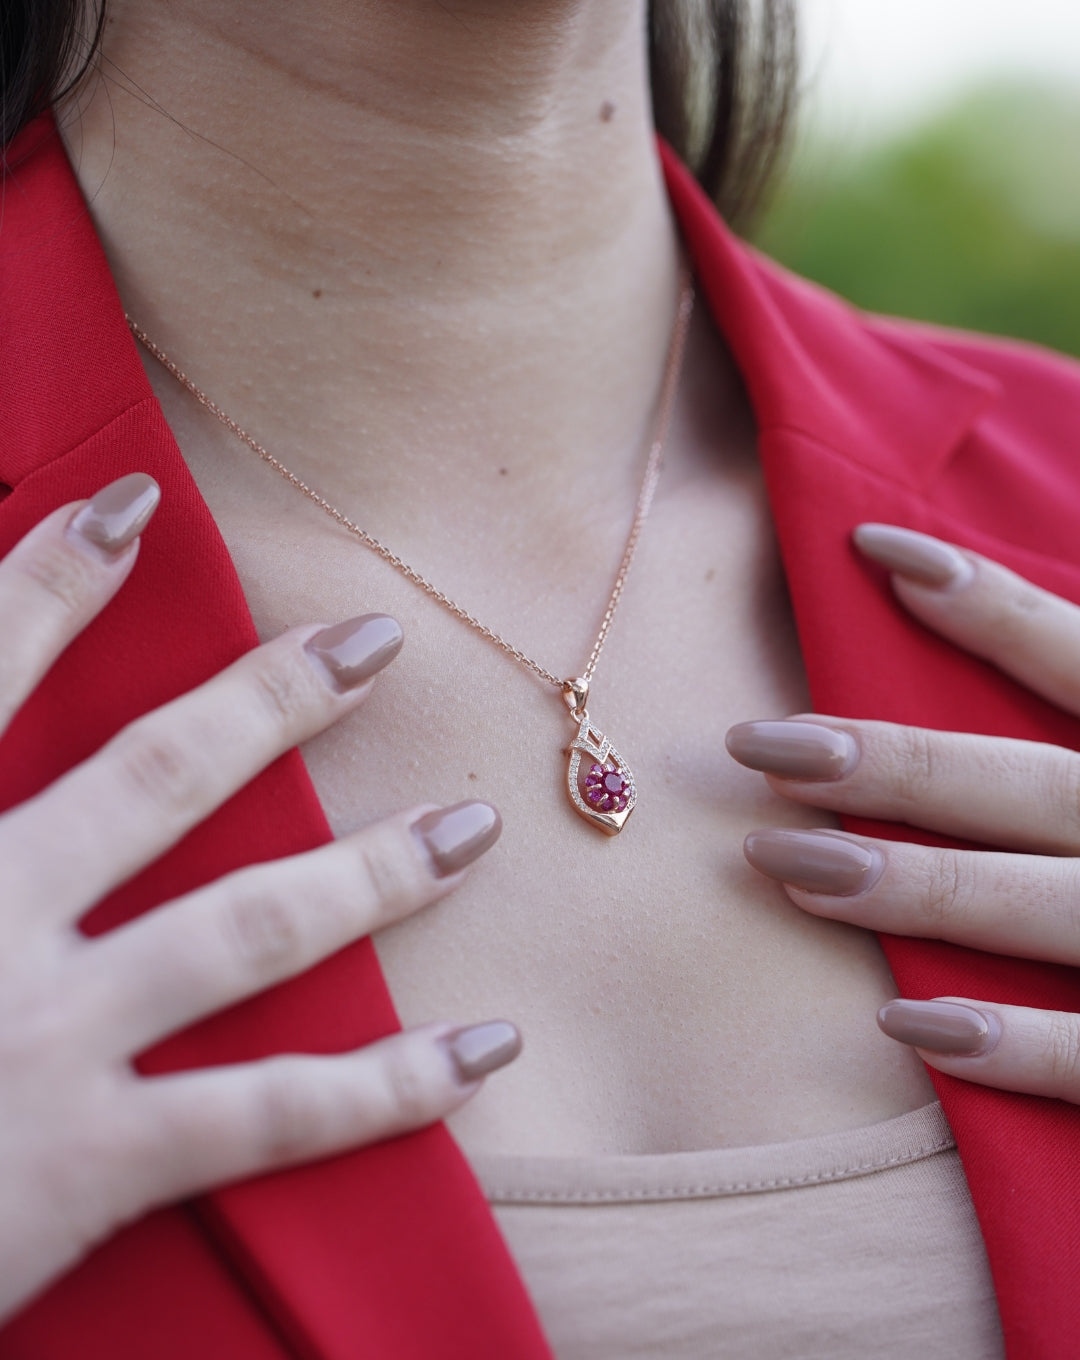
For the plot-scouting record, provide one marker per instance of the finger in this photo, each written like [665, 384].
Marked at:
[1027, 906]
[61, 575]
[985, 608]
[165, 772]
[1021, 794]
[221, 1124]
[253, 928]
[1011, 1047]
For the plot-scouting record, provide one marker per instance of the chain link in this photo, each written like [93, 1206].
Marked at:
[653, 466]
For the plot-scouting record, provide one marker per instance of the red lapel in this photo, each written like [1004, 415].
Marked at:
[881, 421]
[856, 422]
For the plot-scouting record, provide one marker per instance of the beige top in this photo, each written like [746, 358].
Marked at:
[855, 1245]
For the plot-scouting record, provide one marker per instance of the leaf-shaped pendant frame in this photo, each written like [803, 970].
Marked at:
[591, 742]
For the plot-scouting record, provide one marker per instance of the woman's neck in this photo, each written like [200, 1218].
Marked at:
[406, 226]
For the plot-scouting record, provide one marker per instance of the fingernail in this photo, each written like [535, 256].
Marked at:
[794, 750]
[455, 836]
[922, 559]
[941, 1027]
[353, 651]
[485, 1048]
[118, 513]
[817, 861]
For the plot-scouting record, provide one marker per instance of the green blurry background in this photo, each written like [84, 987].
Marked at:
[970, 217]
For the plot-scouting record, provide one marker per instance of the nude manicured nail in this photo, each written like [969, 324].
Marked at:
[118, 513]
[353, 651]
[485, 1048]
[455, 836]
[941, 1027]
[924, 560]
[793, 750]
[817, 861]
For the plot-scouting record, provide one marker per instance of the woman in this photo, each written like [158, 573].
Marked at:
[427, 254]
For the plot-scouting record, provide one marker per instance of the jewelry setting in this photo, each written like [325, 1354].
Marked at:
[606, 795]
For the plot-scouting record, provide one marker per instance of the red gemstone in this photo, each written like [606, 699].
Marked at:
[607, 789]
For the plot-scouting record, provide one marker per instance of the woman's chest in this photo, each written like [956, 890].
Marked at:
[670, 998]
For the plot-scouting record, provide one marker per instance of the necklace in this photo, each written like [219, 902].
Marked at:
[605, 794]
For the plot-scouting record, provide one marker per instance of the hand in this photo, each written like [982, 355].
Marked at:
[1024, 796]
[85, 1143]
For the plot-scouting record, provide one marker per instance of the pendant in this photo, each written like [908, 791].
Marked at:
[598, 780]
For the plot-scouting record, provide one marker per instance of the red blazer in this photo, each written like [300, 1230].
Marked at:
[391, 1252]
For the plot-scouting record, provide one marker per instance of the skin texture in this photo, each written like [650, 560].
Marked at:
[447, 185]
[444, 204]
[451, 157]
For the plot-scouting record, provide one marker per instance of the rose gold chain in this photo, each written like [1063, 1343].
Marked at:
[653, 466]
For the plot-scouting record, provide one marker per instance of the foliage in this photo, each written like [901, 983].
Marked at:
[971, 219]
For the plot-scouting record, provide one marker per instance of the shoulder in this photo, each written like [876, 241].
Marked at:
[1015, 474]
[1026, 375]
[1038, 389]
[985, 428]
[1032, 393]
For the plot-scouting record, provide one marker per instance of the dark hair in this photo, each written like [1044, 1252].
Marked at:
[723, 84]
[45, 48]
[723, 76]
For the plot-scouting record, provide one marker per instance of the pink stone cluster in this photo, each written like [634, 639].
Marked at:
[607, 789]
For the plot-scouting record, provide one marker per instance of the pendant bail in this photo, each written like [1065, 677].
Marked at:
[575, 694]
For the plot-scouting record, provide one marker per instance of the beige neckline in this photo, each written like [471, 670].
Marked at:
[844, 1155]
